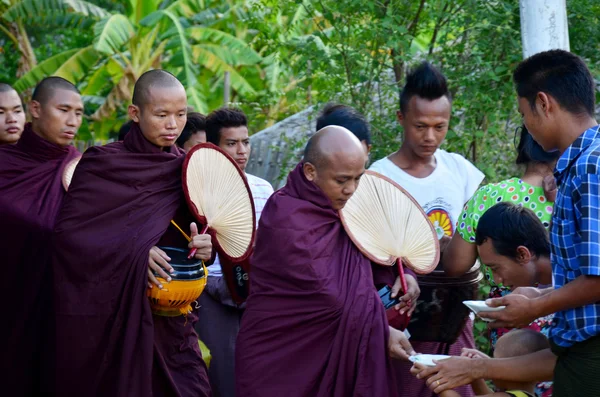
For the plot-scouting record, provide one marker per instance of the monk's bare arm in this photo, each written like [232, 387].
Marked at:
[459, 256]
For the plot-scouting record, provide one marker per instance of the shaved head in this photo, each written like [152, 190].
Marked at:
[159, 107]
[47, 88]
[6, 87]
[156, 78]
[12, 115]
[520, 342]
[334, 159]
[329, 141]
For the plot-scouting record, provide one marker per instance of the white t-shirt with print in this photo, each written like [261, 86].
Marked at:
[443, 193]
[261, 191]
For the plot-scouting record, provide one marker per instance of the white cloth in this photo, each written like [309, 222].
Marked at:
[443, 193]
[261, 191]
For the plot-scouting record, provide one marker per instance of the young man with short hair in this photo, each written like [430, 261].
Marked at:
[194, 131]
[31, 194]
[514, 244]
[227, 128]
[556, 94]
[557, 101]
[441, 182]
[12, 115]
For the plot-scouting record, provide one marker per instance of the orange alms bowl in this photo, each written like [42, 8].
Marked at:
[187, 283]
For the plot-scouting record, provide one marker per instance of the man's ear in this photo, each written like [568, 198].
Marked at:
[35, 109]
[310, 171]
[545, 103]
[523, 255]
[134, 113]
[400, 117]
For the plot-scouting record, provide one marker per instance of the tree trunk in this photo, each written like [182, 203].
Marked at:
[27, 60]
[544, 26]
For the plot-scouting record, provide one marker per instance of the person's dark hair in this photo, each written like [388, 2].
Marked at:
[425, 81]
[156, 78]
[124, 130]
[347, 117]
[6, 87]
[195, 122]
[46, 88]
[223, 118]
[529, 151]
[560, 74]
[520, 342]
[510, 226]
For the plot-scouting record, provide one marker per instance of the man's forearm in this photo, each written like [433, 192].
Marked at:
[534, 367]
[544, 291]
[584, 290]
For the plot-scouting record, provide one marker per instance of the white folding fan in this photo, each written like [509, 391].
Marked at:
[218, 195]
[68, 172]
[387, 224]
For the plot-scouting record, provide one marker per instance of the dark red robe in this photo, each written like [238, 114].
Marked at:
[314, 325]
[31, 193]
[120, 203]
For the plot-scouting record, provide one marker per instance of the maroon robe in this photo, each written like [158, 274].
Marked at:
[31, 193]
[120, 204]
[314, 325]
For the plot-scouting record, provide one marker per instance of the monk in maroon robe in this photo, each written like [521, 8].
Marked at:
[314, 325]
[31, 193]
[12, 115]
[118, 210]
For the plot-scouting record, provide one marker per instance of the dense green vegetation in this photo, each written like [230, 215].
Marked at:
[283, 56]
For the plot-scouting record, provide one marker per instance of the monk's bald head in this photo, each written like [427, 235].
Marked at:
[49, 87]
[334, 160]
[6, 88]
[329, 142]
[159, 107]
[151, 80]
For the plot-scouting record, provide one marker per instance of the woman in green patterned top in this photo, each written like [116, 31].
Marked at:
[535, 190]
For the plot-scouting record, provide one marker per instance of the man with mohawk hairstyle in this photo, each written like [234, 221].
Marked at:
[441, 182]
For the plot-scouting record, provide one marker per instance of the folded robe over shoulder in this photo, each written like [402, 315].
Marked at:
[31, 194]
[314, 325]
[120, 203]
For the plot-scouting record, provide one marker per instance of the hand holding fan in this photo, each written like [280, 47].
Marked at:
[388, 226]
[68, 172]
[218, 195]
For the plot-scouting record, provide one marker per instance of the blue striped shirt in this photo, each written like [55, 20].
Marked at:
[575, 233]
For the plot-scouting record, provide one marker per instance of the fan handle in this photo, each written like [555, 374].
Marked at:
[193, 250]
[404, 288]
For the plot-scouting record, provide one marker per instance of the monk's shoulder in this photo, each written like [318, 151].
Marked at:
[286, 212]
[109, 148]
